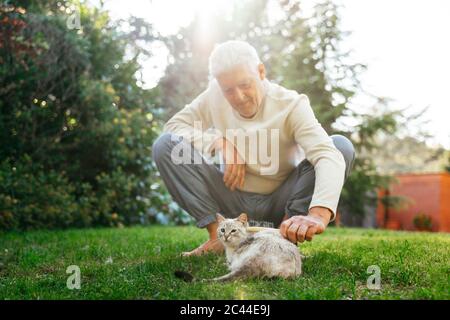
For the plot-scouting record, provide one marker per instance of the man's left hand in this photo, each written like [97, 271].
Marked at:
[301, 228]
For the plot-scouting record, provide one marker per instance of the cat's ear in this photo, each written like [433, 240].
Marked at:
[243, 218]
[219, 217]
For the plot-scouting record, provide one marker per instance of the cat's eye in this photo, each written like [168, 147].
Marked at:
[222, 230]
[234, 230]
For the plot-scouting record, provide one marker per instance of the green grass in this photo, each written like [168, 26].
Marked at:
[138, 263]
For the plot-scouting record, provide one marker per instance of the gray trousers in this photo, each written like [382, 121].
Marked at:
[199, 188]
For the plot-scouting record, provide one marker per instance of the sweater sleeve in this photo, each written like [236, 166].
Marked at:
[320, 151]
[194, 124]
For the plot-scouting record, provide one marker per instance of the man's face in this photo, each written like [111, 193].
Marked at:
[243, 89]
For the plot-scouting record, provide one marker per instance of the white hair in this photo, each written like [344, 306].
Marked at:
[231, 53]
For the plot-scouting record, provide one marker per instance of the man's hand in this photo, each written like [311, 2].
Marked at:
[234, 164]
[301, 228]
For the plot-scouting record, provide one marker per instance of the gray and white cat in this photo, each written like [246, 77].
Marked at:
[262, 254]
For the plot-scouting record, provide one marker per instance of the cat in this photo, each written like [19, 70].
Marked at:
[265, 254]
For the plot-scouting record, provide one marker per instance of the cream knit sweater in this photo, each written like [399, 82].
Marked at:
[283, 132]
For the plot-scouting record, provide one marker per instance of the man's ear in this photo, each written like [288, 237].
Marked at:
[242, 218]
[219, 217]
[261, 71]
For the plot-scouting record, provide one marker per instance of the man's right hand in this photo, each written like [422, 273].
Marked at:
[234, 173]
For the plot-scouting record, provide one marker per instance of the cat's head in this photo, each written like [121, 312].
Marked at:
[232, 231]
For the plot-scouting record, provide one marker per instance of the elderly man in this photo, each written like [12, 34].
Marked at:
[297, 188]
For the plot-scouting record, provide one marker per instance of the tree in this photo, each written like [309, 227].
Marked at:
[447, 167]
[75, 125]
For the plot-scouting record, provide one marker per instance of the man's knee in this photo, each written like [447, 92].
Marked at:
[345, 146]
[162, 146]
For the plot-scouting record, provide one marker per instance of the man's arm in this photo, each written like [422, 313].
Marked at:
[320, 151]
[234, 174]
[192, 123]
[329, 166]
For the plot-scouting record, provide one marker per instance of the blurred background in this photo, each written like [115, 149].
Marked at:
[85, 87]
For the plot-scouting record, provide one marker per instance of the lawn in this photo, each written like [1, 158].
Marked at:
[138, 263]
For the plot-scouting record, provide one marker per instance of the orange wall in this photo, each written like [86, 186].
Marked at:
[445, 203]
[429, 193]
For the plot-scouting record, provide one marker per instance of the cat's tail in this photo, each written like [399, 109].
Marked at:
[183, 275]
[186, 276]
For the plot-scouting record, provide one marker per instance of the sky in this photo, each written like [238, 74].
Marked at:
[405, 43]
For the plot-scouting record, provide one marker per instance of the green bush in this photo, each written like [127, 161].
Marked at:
[31, 198]
[423, 222]
[76, 129]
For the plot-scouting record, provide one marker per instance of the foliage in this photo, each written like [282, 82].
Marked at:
[423, 221]
[408, 155]
[447, 167]
[33, 198]
[77, 127]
